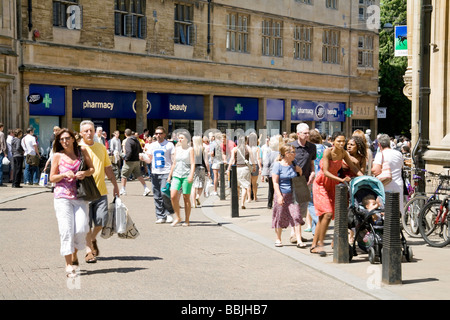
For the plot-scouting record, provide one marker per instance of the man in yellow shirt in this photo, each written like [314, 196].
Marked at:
[98, 209]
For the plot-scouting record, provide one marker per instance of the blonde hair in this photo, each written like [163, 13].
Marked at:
[197, 144]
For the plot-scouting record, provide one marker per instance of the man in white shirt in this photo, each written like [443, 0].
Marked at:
[30, 147]
[160, 154]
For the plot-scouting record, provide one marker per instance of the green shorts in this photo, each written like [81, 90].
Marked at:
[183, 183]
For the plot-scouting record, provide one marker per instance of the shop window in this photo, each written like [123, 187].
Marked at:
[272, 38]
[303, 42]
[184, 29]
[237, 32]
[130, 19]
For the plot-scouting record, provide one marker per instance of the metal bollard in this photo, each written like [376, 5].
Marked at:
[340, 239]
[392, 247]
[222, 181]
[234, 193]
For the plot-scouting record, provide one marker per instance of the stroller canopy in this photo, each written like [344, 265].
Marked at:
[366, 182]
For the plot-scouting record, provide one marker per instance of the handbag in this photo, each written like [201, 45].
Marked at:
[386, 175]
[32, 160]
[166, 190]
[87, 188]
[5, 161]
[300, 189]
[247, 163]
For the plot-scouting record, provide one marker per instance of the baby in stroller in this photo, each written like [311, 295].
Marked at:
[366, 218]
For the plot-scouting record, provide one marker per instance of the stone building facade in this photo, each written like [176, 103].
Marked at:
[437, 127]
[196, 64]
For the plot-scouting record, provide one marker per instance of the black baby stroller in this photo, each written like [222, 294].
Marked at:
[368, 232]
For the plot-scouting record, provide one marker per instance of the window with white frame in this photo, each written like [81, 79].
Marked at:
[303, 42]
[237, 32]
[60, 14]
[365, 51]
[362, 8]
[331, 46]
[184, 28]
[130, 19]
[272, 38]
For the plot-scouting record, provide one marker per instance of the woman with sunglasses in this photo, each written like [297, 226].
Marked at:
[71, 213]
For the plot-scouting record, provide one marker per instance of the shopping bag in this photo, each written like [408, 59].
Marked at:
[109, 229]
[166, 189]
[43, 181]
[131, 230]
[300, 189]
[120, 216]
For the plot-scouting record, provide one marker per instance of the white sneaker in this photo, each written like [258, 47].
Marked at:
[169, 218]
[159, 221]
[214, 193]
[146, 192]
[123, 192]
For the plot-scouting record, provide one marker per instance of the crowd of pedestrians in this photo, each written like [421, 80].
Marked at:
[190, 167]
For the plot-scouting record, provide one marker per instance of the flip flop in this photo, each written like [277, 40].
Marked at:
[90, 258]
[320, 253]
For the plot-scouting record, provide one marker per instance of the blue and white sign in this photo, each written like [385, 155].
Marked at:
[47, 100]
[235, 108]
[302, 110]
[176, 106]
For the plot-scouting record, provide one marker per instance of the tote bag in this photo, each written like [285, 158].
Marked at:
[386, 175]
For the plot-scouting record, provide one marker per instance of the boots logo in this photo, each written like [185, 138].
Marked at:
[320, 111]
[149, 106]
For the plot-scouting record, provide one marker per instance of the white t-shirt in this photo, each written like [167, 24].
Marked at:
[161, 156]
[395, 160]
[28, 143]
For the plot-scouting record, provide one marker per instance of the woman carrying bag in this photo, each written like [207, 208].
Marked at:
[71, 212]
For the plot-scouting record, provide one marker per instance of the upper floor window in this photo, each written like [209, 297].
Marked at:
[272, 38]
[237, 32]
[130, 19]
[303, 42]
[362, 8]
[184, 29]
[60, 12]
[332, 4]
[305, 1]
[331, 46]
[365, 51]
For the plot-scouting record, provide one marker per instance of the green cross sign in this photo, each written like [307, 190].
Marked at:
[47, 101]
[238, 108]
[293, 110]
[348, 112]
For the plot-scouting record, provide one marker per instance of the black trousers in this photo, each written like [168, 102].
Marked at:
[18, 171]
[271, 192]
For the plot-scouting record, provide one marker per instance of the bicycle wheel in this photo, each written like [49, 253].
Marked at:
[434, 233]
[410, 215]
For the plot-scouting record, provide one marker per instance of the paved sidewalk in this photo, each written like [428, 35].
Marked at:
[426, 277]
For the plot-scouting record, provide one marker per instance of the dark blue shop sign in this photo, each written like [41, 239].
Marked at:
[235, 108]
[175, 106]
[99, 104]
[275, 109]
[303, 110]
[46, 100]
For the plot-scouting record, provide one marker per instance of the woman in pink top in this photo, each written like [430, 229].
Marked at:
[71, 213]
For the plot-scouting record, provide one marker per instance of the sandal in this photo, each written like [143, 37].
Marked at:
[278, 243]
[321, 253]
[90, 258]
[301, 245]
[95, 250]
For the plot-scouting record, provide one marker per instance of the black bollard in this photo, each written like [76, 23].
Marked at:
[340, 239]
[392, 247]
[222, 181]
[234, 193]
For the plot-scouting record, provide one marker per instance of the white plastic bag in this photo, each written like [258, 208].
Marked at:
[43, 180]
[5, 161]
[121, 216]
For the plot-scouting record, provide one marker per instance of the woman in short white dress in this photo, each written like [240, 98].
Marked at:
[242, 156]
[216, 153]
[201, 170]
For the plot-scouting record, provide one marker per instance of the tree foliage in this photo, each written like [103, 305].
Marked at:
[391, 72]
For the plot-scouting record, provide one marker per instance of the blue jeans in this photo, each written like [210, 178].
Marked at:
[2, 155]
[163, 204]
[312, 213]
[31, 174]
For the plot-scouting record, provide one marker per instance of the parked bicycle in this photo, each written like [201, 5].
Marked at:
[417, 200]
[434, 219]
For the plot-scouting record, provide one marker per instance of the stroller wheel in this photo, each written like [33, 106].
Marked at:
[408, 254]
[372, 255]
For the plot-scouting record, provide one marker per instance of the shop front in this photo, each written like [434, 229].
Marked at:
[327, 117]
[274, 116]
[47, 105]
[235, 113]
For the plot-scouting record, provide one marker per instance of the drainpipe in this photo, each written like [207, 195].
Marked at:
[30, 9]
[208, 49]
